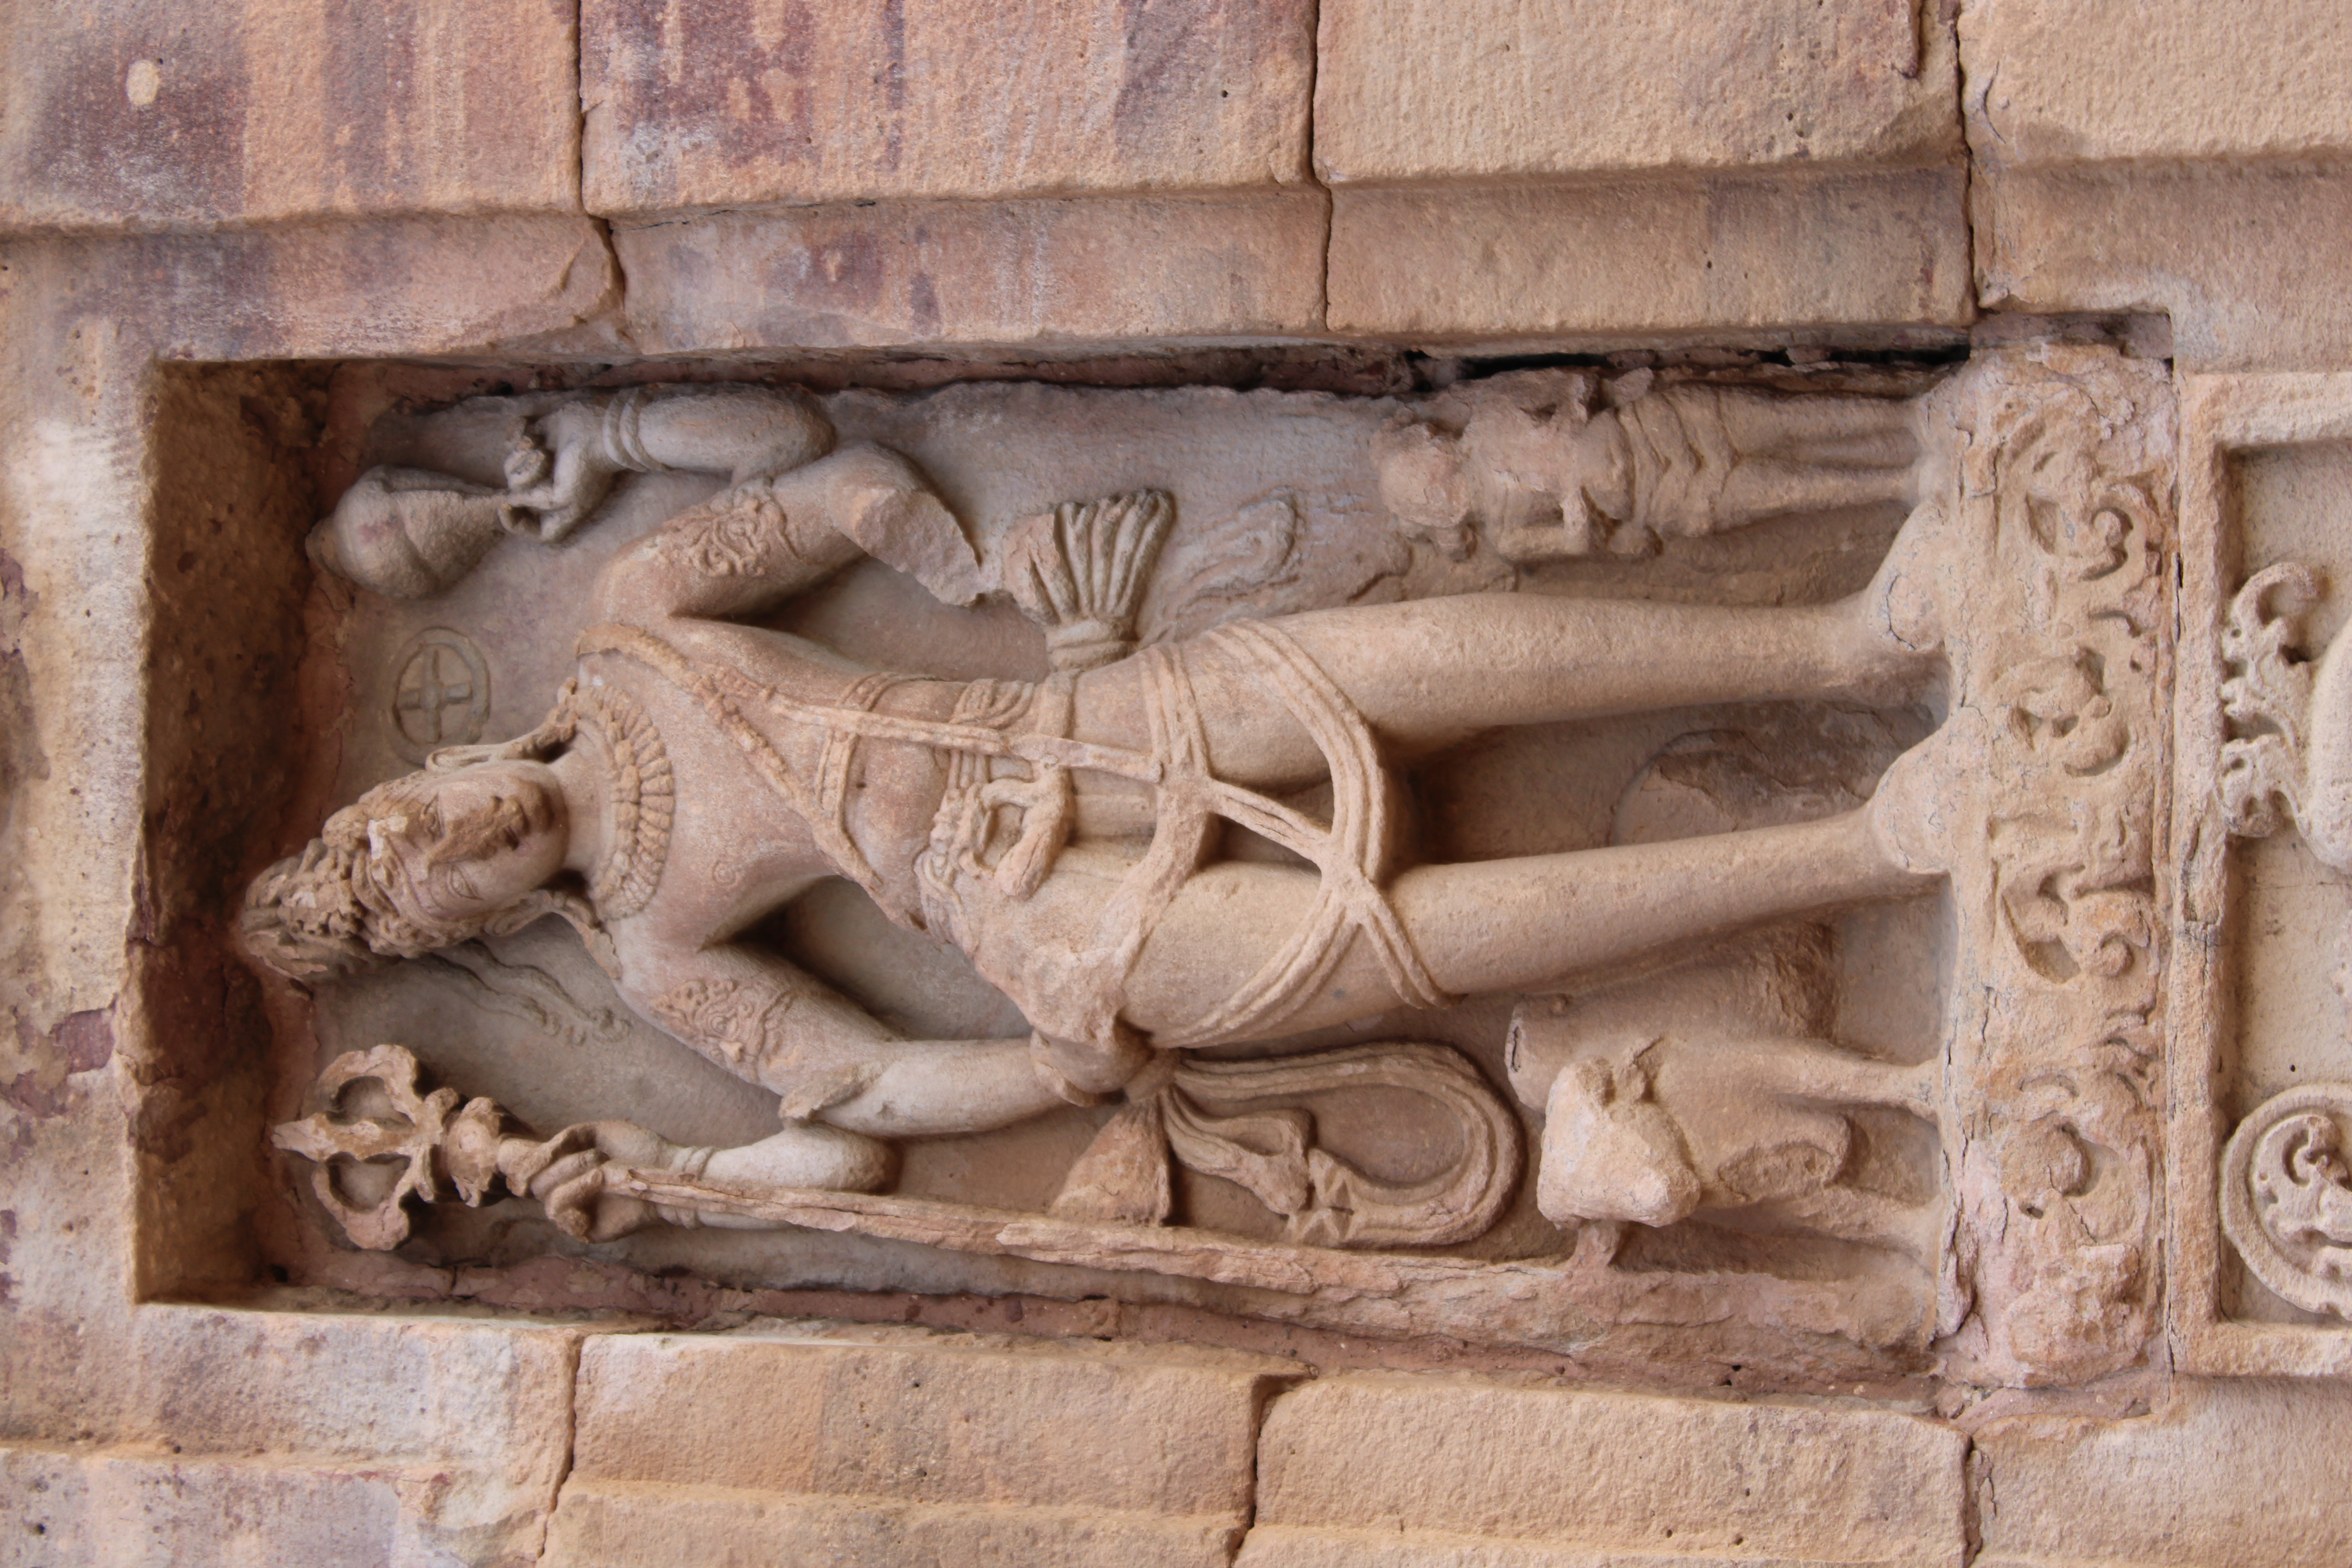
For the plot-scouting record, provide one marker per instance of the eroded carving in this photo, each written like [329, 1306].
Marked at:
[2287, 760]
[2287, 1196]
[1194, 830]
[2039, 795]
[440, 693]
[1527, 466]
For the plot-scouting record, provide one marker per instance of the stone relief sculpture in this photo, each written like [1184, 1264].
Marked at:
[1192, 841]
[2286, 1191]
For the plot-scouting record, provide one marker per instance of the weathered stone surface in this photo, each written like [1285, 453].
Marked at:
[2062, 82]
[197, 113]
[2234, 255]
[606, 1525]
[130, 1507]
[1433, 89]
[2232, 1472]
[756, 101]
[386, 286]
[1616, 1475]
[225, 1439]
[2265, 462]
[1612, 261]
[1007, 272]
[917, 1420]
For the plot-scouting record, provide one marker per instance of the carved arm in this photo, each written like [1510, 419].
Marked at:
[750, 547]
[563, 464]
[768, 1022]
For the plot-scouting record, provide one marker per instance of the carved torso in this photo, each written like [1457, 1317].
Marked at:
[739, 849]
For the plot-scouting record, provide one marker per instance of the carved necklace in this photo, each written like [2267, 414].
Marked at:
[642, 796]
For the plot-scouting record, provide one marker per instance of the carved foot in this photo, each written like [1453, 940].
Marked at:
[1917, 803]
[1903, 604]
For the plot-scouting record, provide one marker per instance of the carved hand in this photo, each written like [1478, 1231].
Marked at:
[558, 471]
[567, 1174]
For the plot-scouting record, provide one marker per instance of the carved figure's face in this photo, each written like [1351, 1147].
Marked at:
[478, 840]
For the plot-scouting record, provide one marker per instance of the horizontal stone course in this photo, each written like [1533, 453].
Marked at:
[2056, 83]
[1644, 1477]
[2235, 255]
[916, 1421]
[2229, 1472]
[750, 102]
[202, 113]
[387, 285]
[1693, 254]
[620, 1525]
[1020, 272]
[1453, 90]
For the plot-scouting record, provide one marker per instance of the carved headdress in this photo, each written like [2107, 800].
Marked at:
[347, 900]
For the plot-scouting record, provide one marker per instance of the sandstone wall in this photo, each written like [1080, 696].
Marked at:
[206, 207]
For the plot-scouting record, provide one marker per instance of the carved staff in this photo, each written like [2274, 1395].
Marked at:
[445, 1152]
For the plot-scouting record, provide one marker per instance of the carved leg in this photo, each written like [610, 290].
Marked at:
[1432, 673]
[1510, 925]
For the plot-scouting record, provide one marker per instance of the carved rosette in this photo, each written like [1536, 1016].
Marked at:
[2055, 469]
[2287, 1196]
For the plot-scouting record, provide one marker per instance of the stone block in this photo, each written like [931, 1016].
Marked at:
[1738, 252]
[238, 1436]
[1010, 272]
[618, 1525]
[493, 1397]
[1505, 1471]
[2242, 258]
[755, 101]
[1437, 89]
[918, 1421]
[394, 285]
[146, 1507]
[2233, 1472]
[196, 113]
[2062, 82]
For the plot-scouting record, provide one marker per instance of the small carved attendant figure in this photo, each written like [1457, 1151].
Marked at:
[1066, 834]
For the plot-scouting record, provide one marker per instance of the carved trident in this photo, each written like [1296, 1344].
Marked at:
[441, 1155]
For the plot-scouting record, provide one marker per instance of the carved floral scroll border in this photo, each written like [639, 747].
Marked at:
[2064, 480]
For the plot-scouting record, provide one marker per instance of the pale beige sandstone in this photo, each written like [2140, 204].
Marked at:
[2220, 1473]
[1416, 1472]
[1480, 90]
[311, 291]
[198, 114]
[697, 107]
[1720, 1085]
[621, 1525]
[2061, 83]
[1237, 467]
[906, 1447]
[430, 1439]
[1525, 173]
[2260, 729]
[131, 1506]
[1032, 272]
[129, 593]
[2225, 250]
[1738, 255]
[2168, 159]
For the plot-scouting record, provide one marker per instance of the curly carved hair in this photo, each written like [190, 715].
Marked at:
[347, 900]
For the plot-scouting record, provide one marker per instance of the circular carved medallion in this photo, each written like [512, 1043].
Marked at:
[440, 693]
[2287, 1196]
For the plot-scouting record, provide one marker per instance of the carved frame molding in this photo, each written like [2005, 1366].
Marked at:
[2223, 417]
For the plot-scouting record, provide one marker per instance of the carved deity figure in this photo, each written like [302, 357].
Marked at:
[1075, 836]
